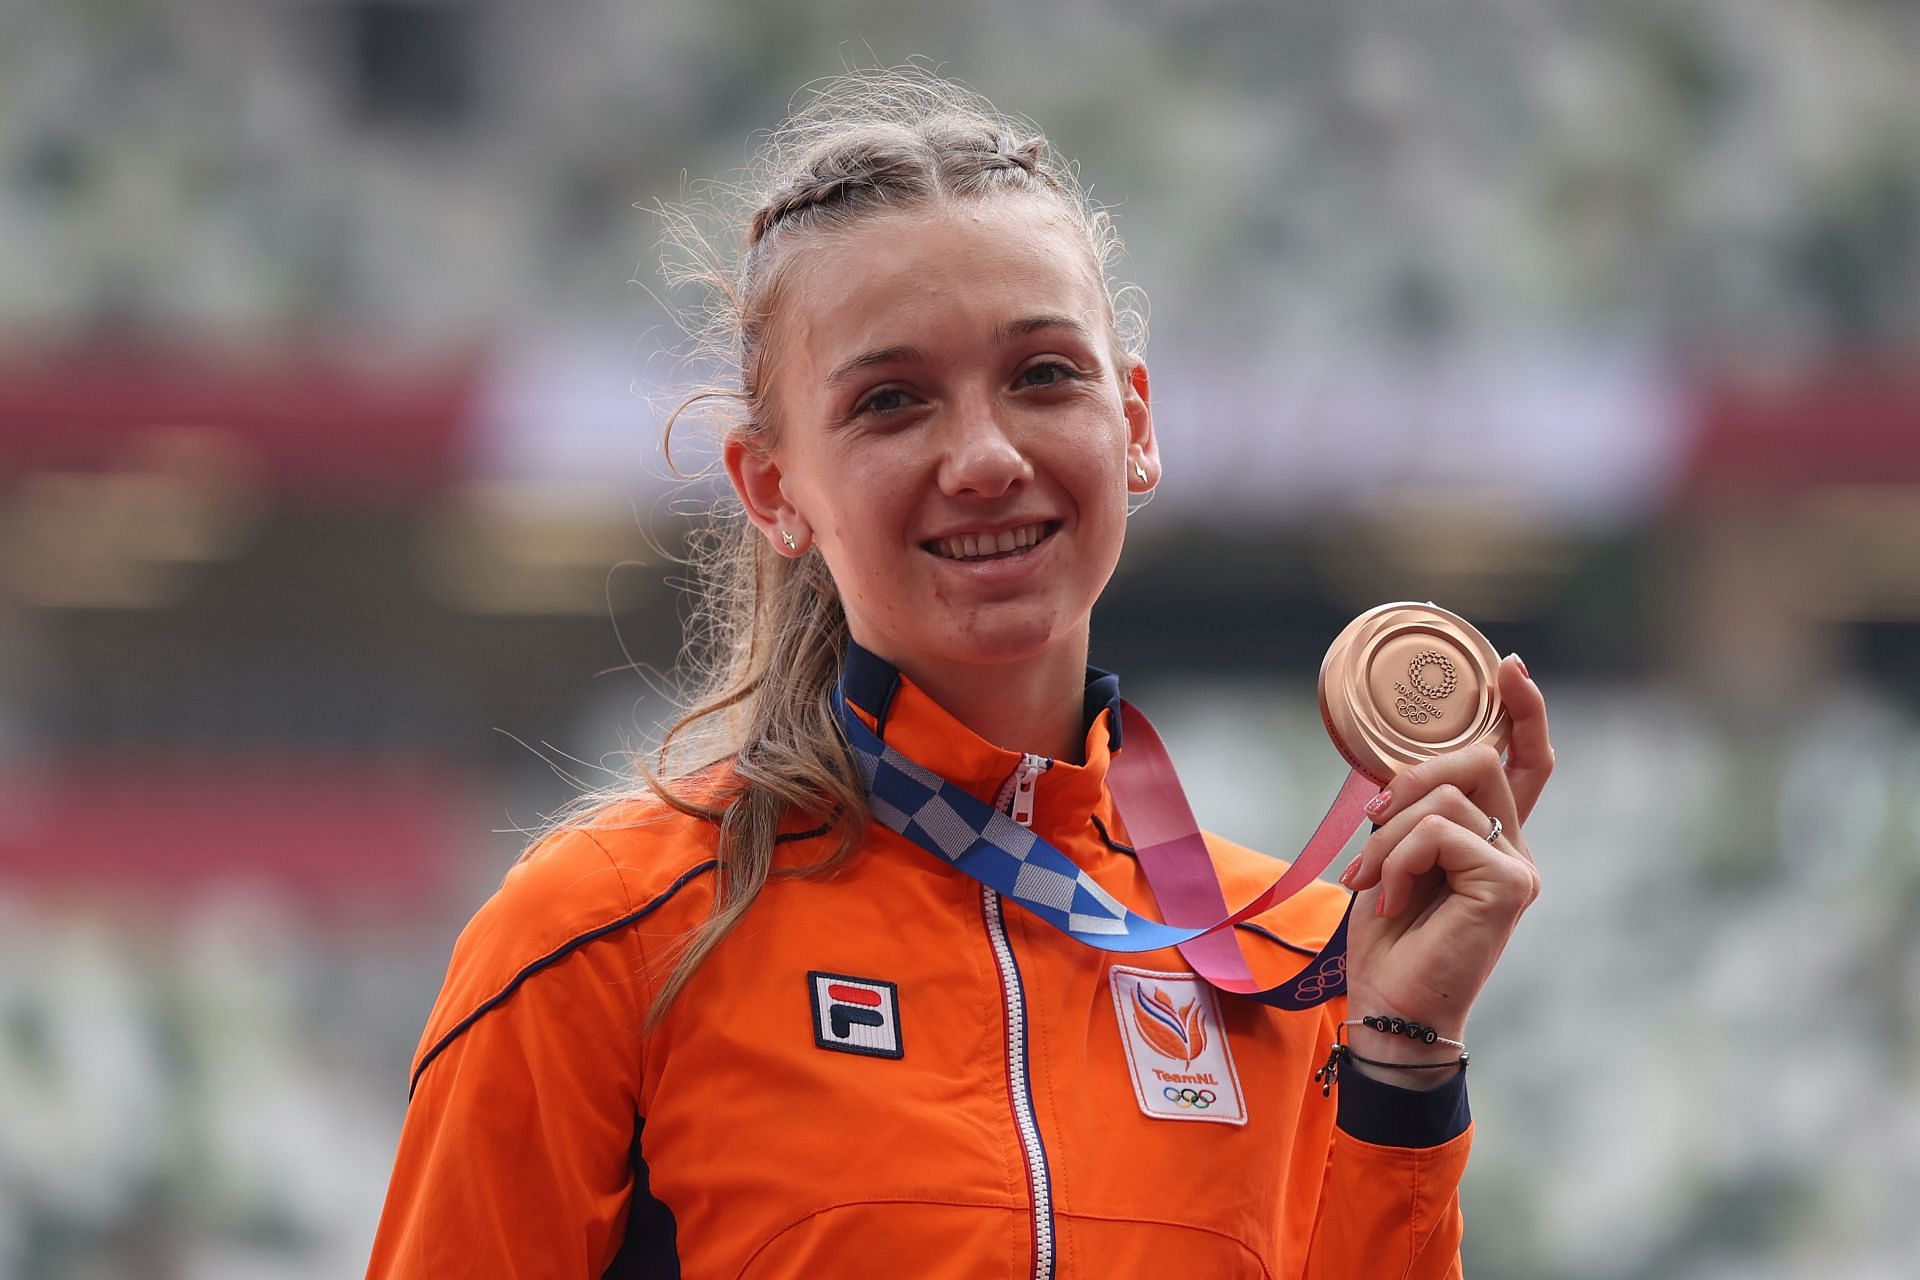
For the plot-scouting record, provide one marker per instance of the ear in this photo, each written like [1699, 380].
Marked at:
[760, 484]
[1143, 450]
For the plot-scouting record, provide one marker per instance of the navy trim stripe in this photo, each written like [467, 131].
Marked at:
[871, 681]
[1259, 929]
[1106, 838]
[553, 957]
[786, 836]
[1103, 694]
[649, 1250]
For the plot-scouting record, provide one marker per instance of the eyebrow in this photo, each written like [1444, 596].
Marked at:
[907, 354]
[887, 355]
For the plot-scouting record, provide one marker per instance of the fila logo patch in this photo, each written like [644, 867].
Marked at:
[855, 1015]
[1176, 1047]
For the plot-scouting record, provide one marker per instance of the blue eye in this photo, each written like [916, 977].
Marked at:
[1056, 372]
[887, 400]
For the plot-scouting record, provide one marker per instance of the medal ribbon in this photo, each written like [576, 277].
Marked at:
[984, 843]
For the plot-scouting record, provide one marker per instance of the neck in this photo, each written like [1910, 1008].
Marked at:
[1034, 705]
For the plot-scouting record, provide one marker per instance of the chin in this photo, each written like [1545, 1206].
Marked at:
[1005, 640]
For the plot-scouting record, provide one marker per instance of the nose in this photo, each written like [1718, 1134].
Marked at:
[981, 456]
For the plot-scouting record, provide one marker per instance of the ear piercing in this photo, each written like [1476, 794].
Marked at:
[1139, 473]
[788, 538]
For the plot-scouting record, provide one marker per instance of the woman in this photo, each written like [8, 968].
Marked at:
[730, 1026]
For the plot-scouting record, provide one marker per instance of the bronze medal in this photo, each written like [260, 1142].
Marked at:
[1406, 682]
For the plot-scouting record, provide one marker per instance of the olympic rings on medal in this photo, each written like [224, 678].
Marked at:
[1198, 1099]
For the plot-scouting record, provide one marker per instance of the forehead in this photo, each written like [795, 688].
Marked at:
[941, 277]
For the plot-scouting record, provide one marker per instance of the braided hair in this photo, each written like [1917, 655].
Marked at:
[863, 169]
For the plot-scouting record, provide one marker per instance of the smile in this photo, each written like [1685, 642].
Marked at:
[991, 546]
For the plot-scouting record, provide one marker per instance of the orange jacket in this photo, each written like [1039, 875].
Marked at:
[885, 1074]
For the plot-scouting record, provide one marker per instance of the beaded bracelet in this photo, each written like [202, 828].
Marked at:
[1401, 1027]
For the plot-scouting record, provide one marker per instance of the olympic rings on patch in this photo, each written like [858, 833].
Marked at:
[1198, 1099]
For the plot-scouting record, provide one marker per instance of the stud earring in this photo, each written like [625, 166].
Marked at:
[1140, 473]
[791, 544]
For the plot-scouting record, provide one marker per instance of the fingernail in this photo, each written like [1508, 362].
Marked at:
[1378, 805]
[1346, 877]
[1523, 665]
[1380, 907]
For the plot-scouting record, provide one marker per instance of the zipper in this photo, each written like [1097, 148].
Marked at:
[1017, 798]
[1039, 1184]
[1025, 774]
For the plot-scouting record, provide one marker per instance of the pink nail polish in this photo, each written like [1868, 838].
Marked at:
[1380, 907]
[1346, 877]
[1378, 805]
[1523, 665]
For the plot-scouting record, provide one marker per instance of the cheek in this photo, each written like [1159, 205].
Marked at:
[1095, 459]
[1103, 501]
[864, 496]
[861, 536]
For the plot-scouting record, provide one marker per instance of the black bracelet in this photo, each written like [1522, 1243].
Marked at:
[1329, 1073]
[1460, 1061]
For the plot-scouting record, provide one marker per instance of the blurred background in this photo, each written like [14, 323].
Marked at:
[333, 521]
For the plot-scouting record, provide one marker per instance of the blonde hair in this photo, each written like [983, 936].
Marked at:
[758, 742]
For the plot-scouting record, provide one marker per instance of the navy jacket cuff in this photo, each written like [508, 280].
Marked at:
[1389, 1116]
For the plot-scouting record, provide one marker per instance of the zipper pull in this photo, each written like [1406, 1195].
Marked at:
[1020, 807]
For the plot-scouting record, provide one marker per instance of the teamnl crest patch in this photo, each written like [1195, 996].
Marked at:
[1177, 1047]
[855, 1015]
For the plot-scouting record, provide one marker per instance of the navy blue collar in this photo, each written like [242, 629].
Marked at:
[871, 682]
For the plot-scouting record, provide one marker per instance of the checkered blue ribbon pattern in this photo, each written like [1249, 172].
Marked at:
[986, 844]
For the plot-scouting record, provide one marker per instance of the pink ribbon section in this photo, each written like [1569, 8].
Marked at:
[1173, 854]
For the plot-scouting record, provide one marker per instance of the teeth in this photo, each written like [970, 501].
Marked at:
[970, 546]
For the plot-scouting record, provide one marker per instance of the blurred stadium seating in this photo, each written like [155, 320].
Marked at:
[336, 544]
